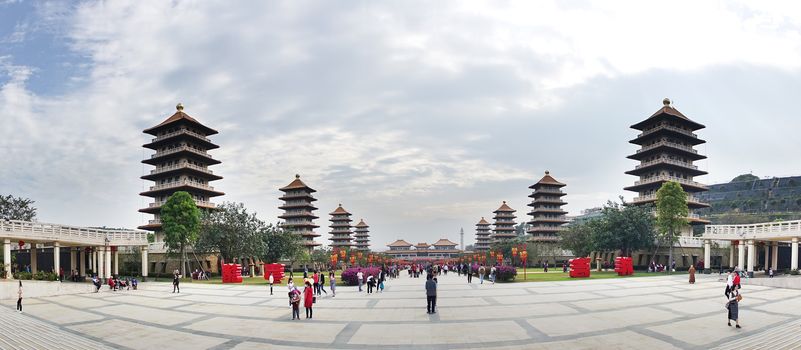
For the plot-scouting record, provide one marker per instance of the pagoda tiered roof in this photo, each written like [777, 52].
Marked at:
[361, 236]
[299, 211]
[182, 162]
[667, 153]
[340, 228]
[547, 217]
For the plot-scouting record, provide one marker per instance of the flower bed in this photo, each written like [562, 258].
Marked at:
[349, 275]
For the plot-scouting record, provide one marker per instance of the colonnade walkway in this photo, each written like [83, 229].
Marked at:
[747, 240]
[662, 312]
[99, 245]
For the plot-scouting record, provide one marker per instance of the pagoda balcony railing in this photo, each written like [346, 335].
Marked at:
[666, 160]
[652, 197]
[548, 191]
[154, 222]
[545, 228]
[179, 149]
[298, 212]
[288, 203]
[662, 126]
[180, 166]
[181, 183]
[667, 143]
[181, 131]
[668, 178]
[545, 238]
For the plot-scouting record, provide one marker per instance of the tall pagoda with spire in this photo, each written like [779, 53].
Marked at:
[340, 228]
[546, 209]
[482, 236]
[667, 153]
[299, 211]
[182, 164]
[504, 223]
[362, 236]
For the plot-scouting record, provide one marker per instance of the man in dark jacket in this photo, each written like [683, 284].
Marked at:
[431, 294]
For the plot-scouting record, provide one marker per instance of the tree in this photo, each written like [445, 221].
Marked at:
[180, 220]
[671, 213]
[624, 228]
[231, 231]
[279, 244]
[17, 208]
[578, 238]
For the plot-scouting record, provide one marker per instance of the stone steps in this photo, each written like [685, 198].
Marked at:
[23, 332]
[783, 336]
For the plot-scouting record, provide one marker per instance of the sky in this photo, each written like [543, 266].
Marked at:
[420, 117]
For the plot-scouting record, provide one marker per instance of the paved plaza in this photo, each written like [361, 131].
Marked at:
[642, 313]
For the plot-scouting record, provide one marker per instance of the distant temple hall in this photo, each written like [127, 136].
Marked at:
[441, 249]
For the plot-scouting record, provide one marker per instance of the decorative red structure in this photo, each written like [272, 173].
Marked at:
[580, 267]
[232, 273]
[624, 266]
[277, 270]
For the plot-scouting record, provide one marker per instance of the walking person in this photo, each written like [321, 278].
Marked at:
[308, 299]
[481, 271]
[316, 285]
[770, 272]
[360, 278]
[333, 281]
[734, 307]
[729, 284]
[370, 283]
[431, 295]
[322, 283]
[175, 281]
[19, 298]
[492, 274]
[691, 271]
[271, 280]
[468, 270]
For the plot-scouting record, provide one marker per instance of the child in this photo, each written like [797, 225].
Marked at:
[294, 300]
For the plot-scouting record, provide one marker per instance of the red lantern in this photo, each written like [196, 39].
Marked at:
[514, 251]
[21, 243]
[342, 254]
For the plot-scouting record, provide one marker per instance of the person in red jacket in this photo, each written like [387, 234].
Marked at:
[308, 299]
[736, 281]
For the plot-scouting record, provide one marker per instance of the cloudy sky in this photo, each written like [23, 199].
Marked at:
[420, 117]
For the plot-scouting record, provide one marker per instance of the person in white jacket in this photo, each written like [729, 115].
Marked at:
[729, 283]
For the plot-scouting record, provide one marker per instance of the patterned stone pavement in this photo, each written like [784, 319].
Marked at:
[653, 312]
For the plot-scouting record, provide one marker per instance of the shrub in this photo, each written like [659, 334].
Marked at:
[505, 273]
[23, 275]
[794, 272]
[349, 275]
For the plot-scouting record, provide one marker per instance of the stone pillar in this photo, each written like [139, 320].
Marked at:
[707, 255]
[7, 257]
[774, 250]
[144, 263]
[767, 257]
[82, 261]
[34, 264]
[93, 262]
[117, 262]
[56, 257]
[73, 264]
[741, 256]
[794, 254]
[751, 258]
[731, 254]
[108, 262]
[99, 262]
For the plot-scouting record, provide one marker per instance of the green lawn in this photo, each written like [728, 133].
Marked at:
[259, 280]
[536, 275]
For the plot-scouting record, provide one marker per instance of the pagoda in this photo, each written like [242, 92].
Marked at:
[299, 211]
[362, 236]
[504, 223]
[667, 153]
[546, 210]
[482, 236]
[182, 164]
[340, 228]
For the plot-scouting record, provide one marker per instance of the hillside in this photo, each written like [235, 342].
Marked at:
[748, 199]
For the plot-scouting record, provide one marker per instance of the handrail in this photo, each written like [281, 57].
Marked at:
[667, 143]
[181, 131]
[662, 126]
[668, 178]
[178, 166]
[666, 160]
[71, 234]
[181, 183]
[178, 149]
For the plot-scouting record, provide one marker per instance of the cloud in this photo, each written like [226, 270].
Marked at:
[420, 117]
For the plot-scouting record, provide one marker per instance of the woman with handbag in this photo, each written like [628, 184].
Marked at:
[734, 307]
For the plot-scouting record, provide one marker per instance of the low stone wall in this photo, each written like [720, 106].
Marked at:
[781, 281]
[33, 289]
